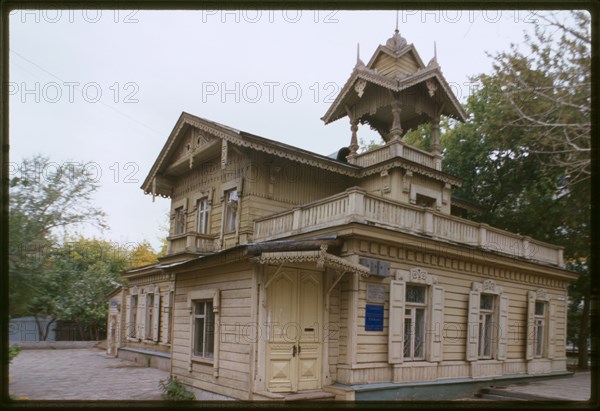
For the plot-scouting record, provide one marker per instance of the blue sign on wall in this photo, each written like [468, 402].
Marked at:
[374, 317]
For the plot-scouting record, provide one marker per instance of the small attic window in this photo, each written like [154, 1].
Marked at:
[425, 201]
[187, 148]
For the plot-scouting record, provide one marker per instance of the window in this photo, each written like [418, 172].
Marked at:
[131, 333]
[179, 220]
[204, 323]
[538, 330]
[486, 320]
[416, 317]
[487, 327]
[231, 209]
[414, 322]
[202, 216]
[425, 201]
[150, 316]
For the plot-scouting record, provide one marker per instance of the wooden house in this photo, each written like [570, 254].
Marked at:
[291, 274]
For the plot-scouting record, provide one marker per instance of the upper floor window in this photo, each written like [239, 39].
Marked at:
[231, 210]
[179, 220]
[425, 201]
[202, 216]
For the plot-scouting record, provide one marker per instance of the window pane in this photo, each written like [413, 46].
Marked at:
[487, 302]
[199, 337]
[487, 347]
[419, 333]
[415, 294]
[202, 206]
[179, 220]
[539, 338]
[407, 336]
[210, 331]
[539, 308]
[199, 308]
[132, 326]
[231, 208]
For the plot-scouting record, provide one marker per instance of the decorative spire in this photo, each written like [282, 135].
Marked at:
[396, 42]
[433, 62]
[359, 62]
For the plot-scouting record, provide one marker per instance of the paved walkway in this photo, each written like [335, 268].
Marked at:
[575, 388]
[84, 374]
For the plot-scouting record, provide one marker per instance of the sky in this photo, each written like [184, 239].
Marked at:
[104, 88]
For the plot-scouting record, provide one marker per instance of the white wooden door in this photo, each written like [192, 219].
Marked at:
[294, 348]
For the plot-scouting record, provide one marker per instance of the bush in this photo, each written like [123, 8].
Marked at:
[173, 390]
[13, 351]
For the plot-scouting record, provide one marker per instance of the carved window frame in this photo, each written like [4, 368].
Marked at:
[208, 194]
[499, 321]
[434, 314]
[176, 205]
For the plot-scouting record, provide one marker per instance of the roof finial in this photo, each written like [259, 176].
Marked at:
[359, 62]
[397, 31]
[433, 62]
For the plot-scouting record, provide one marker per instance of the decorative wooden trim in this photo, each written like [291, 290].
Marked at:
[321, 258]
[488, 287]
[416, 275]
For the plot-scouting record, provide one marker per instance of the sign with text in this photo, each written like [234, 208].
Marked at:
[373, 317]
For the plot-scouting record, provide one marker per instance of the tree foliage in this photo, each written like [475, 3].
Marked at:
[53, 273]
[524, 151]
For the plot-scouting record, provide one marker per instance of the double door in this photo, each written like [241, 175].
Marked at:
[294, 312]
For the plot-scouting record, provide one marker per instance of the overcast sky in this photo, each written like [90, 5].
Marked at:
[105, 88]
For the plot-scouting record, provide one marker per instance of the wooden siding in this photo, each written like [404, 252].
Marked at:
[235, 285]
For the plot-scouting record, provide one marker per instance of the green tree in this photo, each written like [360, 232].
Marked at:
[524, 151]
[45, 199]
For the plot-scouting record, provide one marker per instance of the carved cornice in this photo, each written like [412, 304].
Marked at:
[467, 263]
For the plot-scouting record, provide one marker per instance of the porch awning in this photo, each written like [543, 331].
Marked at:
[321, 257]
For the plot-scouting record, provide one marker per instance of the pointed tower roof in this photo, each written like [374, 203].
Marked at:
[395, 74]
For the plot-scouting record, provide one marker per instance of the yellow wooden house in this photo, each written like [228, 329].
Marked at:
[290, 274]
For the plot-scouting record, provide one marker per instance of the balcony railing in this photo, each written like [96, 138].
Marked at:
[397, 149]
[355, 205]
[191, 242]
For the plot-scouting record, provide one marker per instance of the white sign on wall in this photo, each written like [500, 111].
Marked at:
[376, 293]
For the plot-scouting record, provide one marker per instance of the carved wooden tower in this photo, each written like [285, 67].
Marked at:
[393, 93]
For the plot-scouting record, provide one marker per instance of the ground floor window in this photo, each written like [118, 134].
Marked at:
[131, 332]
[204, 326]
[486, 319]
[539, 329]
[150, 316]
[414, 322]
